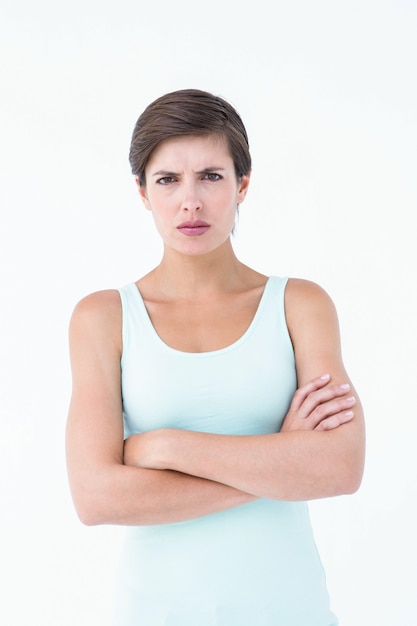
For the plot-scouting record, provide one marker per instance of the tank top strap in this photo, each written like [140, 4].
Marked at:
[273, 298]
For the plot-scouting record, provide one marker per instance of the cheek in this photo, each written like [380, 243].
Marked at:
[228, 218]
[158, 206]
[159, 223]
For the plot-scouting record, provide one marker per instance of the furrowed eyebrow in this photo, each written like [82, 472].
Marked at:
[206, 170]
[164, 173]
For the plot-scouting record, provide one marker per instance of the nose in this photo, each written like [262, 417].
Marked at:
[191, 200]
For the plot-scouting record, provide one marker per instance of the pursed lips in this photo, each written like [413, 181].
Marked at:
[193, 228]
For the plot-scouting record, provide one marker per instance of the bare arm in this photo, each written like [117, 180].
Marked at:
[320, 449]
[104, 490]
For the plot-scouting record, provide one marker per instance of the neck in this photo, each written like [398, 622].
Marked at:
[193, 277]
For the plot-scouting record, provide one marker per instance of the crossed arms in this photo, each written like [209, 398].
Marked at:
[172, 475]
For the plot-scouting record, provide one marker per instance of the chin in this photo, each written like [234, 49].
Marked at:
[199, 248]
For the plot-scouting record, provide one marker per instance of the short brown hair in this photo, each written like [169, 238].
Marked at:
[188, 112]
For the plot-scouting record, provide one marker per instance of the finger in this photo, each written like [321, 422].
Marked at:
[303, 392]
[328, 409]
[335, 421]
[317, 400]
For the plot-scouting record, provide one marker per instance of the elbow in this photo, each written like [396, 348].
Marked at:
[351, 485]
[95, 496]
[90, 505]
[351, 480]
[88, 512]
[351, 468]
[89, 517]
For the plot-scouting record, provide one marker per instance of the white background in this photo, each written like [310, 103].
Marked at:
[327, 90]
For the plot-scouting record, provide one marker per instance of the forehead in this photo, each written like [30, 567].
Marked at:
[197, 151]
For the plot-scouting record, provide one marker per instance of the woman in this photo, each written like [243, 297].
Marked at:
[209, 401]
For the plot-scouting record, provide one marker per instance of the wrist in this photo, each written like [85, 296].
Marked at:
[171, 445]
[159, 449]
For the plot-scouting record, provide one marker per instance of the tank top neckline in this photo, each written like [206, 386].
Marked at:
[254, 322]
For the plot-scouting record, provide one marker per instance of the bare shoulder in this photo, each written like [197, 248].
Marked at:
[98, 314]
[311, 317]
[306, 292]
[306, 299]
[99, 304]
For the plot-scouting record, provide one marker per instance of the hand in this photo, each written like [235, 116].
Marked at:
[319, 406]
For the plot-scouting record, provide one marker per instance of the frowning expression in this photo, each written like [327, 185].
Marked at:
[193, 192]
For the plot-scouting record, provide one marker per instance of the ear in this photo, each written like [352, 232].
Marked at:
[143, 194]
[243, 187]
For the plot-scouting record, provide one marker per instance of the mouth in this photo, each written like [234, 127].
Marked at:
[193, 229]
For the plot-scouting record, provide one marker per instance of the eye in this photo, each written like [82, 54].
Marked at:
[165, 180]
[212, 176]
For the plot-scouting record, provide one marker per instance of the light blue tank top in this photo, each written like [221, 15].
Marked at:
[256, 564]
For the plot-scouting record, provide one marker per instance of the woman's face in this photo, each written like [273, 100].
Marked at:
[193, 192]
